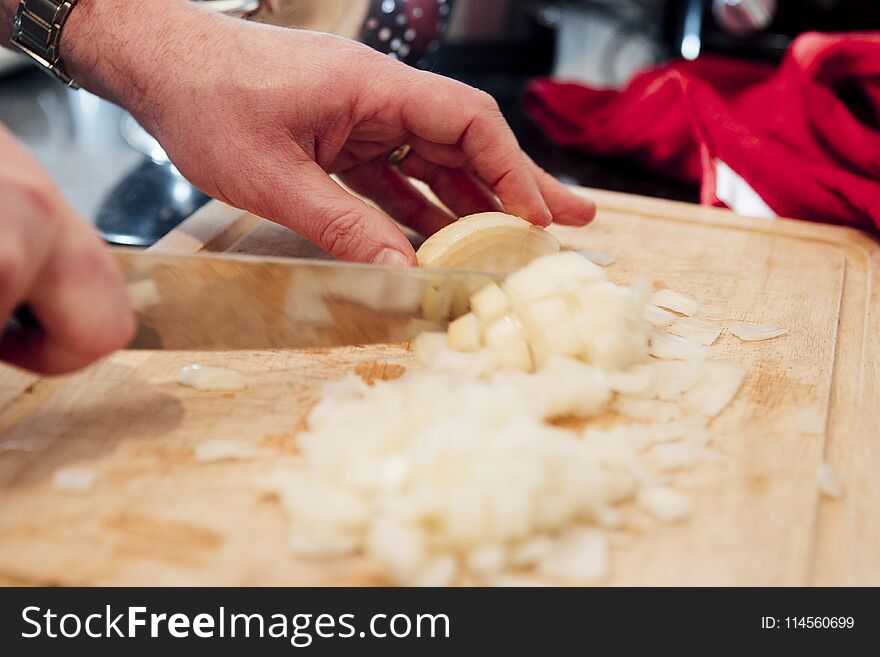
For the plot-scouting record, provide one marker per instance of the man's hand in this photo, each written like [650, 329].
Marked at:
[52, 261]
[260, 116]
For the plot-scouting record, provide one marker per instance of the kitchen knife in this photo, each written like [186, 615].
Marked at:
[246, 302]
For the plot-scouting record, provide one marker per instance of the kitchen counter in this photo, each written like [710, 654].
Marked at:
[134, 199]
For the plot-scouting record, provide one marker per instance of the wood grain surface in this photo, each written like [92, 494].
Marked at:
[155, 516]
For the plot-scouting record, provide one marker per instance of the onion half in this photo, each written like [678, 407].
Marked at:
[490, 241]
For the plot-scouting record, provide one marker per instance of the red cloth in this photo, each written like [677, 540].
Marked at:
[783, 129]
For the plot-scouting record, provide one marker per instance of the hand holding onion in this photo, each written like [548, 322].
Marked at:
[261, 116]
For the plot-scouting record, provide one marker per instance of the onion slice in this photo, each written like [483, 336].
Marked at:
[756, 332]
[598, 257]
[664, 503]
[717, 387]
[657, 316]
[676, 302]
[672, 347]
[220, 449]
[829, 483]
[695, 329]
[211, 379]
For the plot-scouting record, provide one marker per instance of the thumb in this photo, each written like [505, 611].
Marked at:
[320, 210]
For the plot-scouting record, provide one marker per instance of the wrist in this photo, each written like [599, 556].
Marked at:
[116, 48]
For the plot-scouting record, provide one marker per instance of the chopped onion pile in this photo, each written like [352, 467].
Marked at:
[454, 471]
[489, 241]
[462, 471]
[558, 305]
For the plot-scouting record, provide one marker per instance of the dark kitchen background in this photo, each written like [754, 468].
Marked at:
[119, 178]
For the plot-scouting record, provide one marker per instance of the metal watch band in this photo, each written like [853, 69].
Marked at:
[37, 32]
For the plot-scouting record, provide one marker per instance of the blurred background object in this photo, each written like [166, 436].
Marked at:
[761, 29]
[135, 195]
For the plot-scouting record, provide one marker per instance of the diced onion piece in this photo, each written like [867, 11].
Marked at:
[691, 429]
[811, 421]
[647, 409]
[581, 554]
[505, 341]
[657, 316]
[211, 379]
[830, 484]
[427, 345]
[531, 551]
[664, 503]
[676, 302]
[570, 387]
[490, 241]
[143, 294]
[608, 517]
[551, 275]
[755, 332]
[513, 356]
[672, 347]
[635, 380]
[489, 303]
[716, 388]
[672, 378]
[487, 560]
[439, 571]
[437, 302]
[219, 449]
[464, 333]
[504, 331]
[73, 479]
[597, 257]
[696, 330]
[678, 456]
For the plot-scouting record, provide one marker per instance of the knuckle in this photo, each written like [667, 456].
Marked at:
[340, 233]
[486, 101]
[36, 200]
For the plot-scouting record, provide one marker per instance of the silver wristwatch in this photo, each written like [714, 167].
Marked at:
[37, 32]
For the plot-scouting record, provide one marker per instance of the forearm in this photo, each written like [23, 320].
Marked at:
[118, 48]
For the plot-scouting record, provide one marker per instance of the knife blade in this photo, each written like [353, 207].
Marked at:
[245, 302]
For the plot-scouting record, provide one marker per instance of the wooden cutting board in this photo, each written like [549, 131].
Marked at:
[155, 516]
